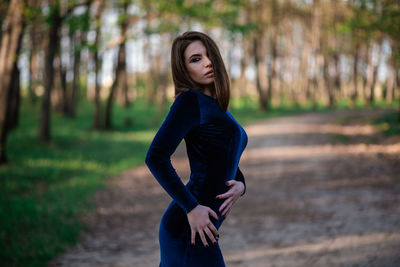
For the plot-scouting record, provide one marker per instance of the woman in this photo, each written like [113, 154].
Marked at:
[188, 232]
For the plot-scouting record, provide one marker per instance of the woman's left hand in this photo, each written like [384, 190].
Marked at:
[235, 191]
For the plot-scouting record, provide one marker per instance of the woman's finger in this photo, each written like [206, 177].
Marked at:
[210, 235]
[226, 208]
[226, 202]
[203, 238]
[193, 236]
[213, 214]
[226, 194]
[229, 210]
[213, 229]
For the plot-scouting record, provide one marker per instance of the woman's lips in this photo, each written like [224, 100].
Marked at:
[210, 73]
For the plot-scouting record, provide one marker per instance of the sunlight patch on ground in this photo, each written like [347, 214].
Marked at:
[279, 129]
[329, 150]
[330, 245]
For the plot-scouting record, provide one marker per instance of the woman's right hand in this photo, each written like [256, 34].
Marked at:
[200, 222]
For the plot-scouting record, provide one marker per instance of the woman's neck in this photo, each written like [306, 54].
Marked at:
[207, 91]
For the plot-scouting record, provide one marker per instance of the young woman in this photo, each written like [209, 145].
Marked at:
[188, 232]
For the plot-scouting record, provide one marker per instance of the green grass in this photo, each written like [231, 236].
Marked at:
[389, 123]
[46, 186]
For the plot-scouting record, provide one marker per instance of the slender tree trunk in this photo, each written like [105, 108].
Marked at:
[63, 83]
[14, 98]
[51, 50]
[97, 62]
[272, 79]
[243, 65]
[121, 64]
[337, 78]
[305, 87]
[75, 80]
[123, 74]
[390, 84]
[375, 75]
[261, 74]
[328, 83]
[316, 41]
[10, 44]
[120, 72]
[369, 72]
[356, 56]
[33, 65]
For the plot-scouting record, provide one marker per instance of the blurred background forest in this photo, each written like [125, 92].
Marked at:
[71, 69]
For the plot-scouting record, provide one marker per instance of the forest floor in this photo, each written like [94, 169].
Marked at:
[323, 189]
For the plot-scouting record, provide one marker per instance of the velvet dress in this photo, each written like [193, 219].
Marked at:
[214, 144]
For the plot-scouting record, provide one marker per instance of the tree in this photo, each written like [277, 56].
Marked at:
[120, 71]
[12, 28]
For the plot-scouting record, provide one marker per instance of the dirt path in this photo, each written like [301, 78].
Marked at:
[317, 195]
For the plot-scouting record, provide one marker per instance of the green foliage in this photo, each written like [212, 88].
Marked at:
[79, 22]
[389, 123]
[209, 13]
[53, 13]
[32, 14]
[45, 187]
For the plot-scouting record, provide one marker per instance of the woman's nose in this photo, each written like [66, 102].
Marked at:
[207, 62]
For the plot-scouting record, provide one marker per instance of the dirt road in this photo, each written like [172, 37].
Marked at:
[319, 193]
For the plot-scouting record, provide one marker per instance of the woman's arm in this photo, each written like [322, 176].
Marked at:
[183, 116]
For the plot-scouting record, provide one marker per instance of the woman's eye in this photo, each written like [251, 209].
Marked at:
[195, 59]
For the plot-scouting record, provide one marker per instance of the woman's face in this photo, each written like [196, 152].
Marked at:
[198, 64]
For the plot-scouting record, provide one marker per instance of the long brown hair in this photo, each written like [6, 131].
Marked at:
[182, 81]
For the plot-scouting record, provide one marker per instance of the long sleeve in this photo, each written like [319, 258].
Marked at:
[183, 116]
[239, 177]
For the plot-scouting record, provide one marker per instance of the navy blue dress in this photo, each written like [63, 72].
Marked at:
[214, 143]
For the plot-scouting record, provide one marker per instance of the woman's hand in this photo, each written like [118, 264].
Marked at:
[199, 222]
[235, 191]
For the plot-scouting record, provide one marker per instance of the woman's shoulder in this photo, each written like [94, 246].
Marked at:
[188, 91]
[187, 96]
[187, 99]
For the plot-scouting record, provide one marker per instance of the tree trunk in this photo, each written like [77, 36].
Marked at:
[120, 72]
[33, 64]
[375, 75]
[63, 83]
[369, 71]
[75, 80]
[272, 79]
[328, 83]
[51, 50]
[390, 83]
[118, 75]
[97, 63]
[14, 98]
[316, 40]
[261, 74]
[354, 95]
[337, 79]
[10, 45]
[123, 80]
